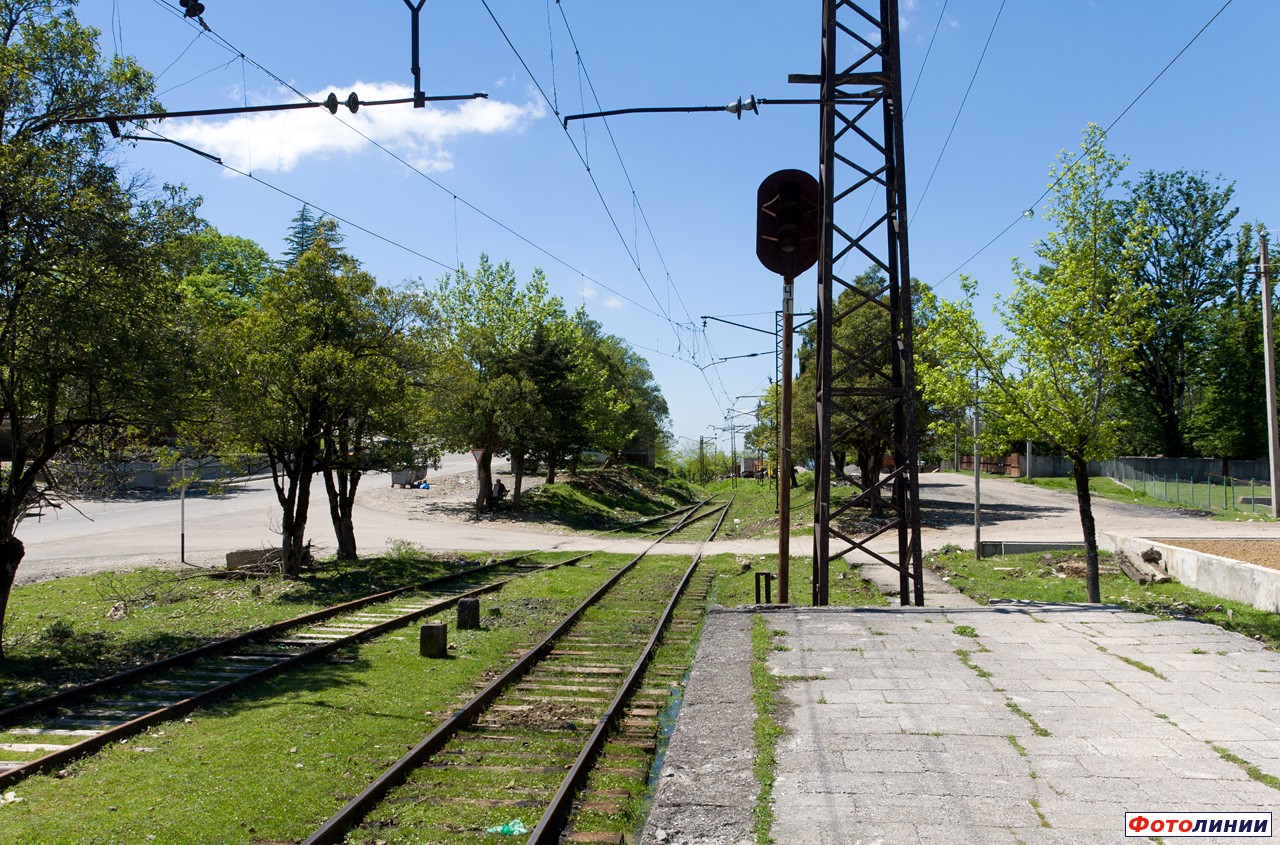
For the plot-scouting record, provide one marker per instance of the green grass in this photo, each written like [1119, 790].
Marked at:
[1032, 577]
[736, 584]
[61, 632]
[766, 695]
[1035, 805]
[755, 508]
[272, 763]
[1106, 488]
[598, 499]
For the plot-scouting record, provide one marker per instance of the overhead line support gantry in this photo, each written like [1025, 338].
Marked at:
[862, 152]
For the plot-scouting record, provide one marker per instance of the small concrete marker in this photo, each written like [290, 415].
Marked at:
[469, 614]
[434, 641]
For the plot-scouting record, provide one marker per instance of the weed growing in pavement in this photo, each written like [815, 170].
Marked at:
[737, 586]
[1035, 805]
[965, 659]
[1036, 727]
[1249, 769]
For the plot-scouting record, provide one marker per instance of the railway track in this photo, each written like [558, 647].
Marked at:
[525, 744]
[48, 733]
[682, 518]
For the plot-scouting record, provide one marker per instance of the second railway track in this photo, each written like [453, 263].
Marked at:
[46, 734]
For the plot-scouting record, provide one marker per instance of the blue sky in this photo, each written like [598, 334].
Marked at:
[509, 182]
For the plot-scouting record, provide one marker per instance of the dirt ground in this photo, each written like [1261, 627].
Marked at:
[1259, 552]
[451, 498]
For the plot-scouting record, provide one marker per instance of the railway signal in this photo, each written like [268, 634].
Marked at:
[788, 222]
[788, 228]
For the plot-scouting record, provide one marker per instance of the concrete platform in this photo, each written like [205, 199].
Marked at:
[1005, 724]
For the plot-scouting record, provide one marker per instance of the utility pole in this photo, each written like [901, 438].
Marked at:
[1269, 353]
[977, 476]
[702, 460]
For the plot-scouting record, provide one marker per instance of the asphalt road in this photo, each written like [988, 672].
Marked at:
[127, 533]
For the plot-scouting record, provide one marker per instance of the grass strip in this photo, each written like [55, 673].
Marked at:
[766, 695]
[1037, 577]
[1035, 805]
[965, 658]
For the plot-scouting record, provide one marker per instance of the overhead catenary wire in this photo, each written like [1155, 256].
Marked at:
[635, 261]
[227, 45]
[1029, 211]
[344, 220]
[925, 61]
[960, 110]
[665, 315]
[675, 325]
[625, 172]
[672, 285]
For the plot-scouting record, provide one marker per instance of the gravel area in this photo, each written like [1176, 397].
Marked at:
[1259, 552]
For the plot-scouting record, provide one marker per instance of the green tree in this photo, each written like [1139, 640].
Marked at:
[484, 318]
[88, 338]
[311, 377]
[764, 436]
[1228, 415]
[1073, 326]
[636, 414]
[305, 228]
[543, 417]
[1188, 265]
[374, 416]
[223, 273]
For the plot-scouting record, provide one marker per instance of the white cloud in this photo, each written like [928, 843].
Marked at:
[615, 303]
[275, 142]
[908, 7]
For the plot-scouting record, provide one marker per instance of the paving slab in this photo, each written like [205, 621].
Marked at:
[1016, 723]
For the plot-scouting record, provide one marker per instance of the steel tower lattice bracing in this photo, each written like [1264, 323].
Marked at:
[867, 394]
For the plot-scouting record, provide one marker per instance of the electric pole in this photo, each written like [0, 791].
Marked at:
[1269, 351]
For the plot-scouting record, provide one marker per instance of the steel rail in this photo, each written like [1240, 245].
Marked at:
[334, 830]
[180, 708]
[551, 825]
[58, 699]
[652, 519]
[691, 520]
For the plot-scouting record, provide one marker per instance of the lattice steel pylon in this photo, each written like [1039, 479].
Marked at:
[864, 394]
